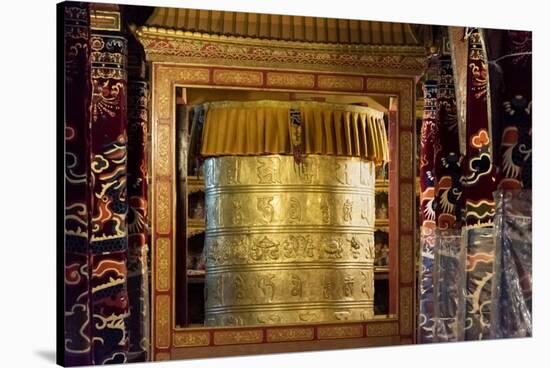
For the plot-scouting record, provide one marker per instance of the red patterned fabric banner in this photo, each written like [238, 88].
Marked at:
[427, 139]
[478, 174]
[448, 161]
[77, 192]
[427, 213]
[96, 232]
[479, 183]
[138, 232]
[511, 68]
[109, 239]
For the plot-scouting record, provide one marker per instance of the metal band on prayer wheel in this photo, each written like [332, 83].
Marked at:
[289, 243]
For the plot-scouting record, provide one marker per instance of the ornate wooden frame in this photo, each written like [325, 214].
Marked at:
[171, 342]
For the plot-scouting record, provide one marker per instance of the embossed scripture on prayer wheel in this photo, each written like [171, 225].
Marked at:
[289, 243]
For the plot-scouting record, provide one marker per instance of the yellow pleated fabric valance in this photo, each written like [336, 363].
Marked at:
[263, 128]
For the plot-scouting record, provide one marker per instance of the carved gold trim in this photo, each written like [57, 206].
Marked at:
[405, 148]
[165, 76]
[105, 20]
[405, 311]
[152, 32]
[164, 79]
[290, 334]
[238, 337]
[164, 143]
[382, 329]
[162, 356]
[163, 208]
[339, 332]
[162, 306]
[237, 77]
[406, 249]
[289, 80]
[340, 83]
[406, 207]
[404, 87]
[162, 260]
[187, 339]
[164, 45]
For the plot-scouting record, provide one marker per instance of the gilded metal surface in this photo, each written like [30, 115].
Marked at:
[105, 20]
[288, 243]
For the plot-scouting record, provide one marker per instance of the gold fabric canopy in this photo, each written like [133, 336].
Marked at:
[263, 128]
[287, 27]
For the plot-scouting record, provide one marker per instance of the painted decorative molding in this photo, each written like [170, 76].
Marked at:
[290, 334]
[342, 83]
[405, 89]
[406, 207]
[163, 209]
[339, 332]
[165, 77]
[238, 337]
[406, 250]
[162, 320]
[162, 260]
[164, 148]
[237, 77]
[290, 80]
[405, 310]
[162, 356]
[174, 45]
[405, 148]
[382, 329]
[195, 338]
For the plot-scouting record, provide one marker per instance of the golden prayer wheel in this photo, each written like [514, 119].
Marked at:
[287, 242]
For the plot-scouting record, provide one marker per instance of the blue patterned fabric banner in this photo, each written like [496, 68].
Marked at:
[512, 286]
[479, 276]
[449, 276]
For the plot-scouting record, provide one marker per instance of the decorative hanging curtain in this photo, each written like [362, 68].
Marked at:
[427, 212]
[96, 209]
[478, 173]
[262, 127]
[449, 250]
[510, 68]
[493, 100]
[138, 229]
[77, 339]
[478, 181]
[447, 171]
[511, 314]
[449, 304]
[290, 211]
